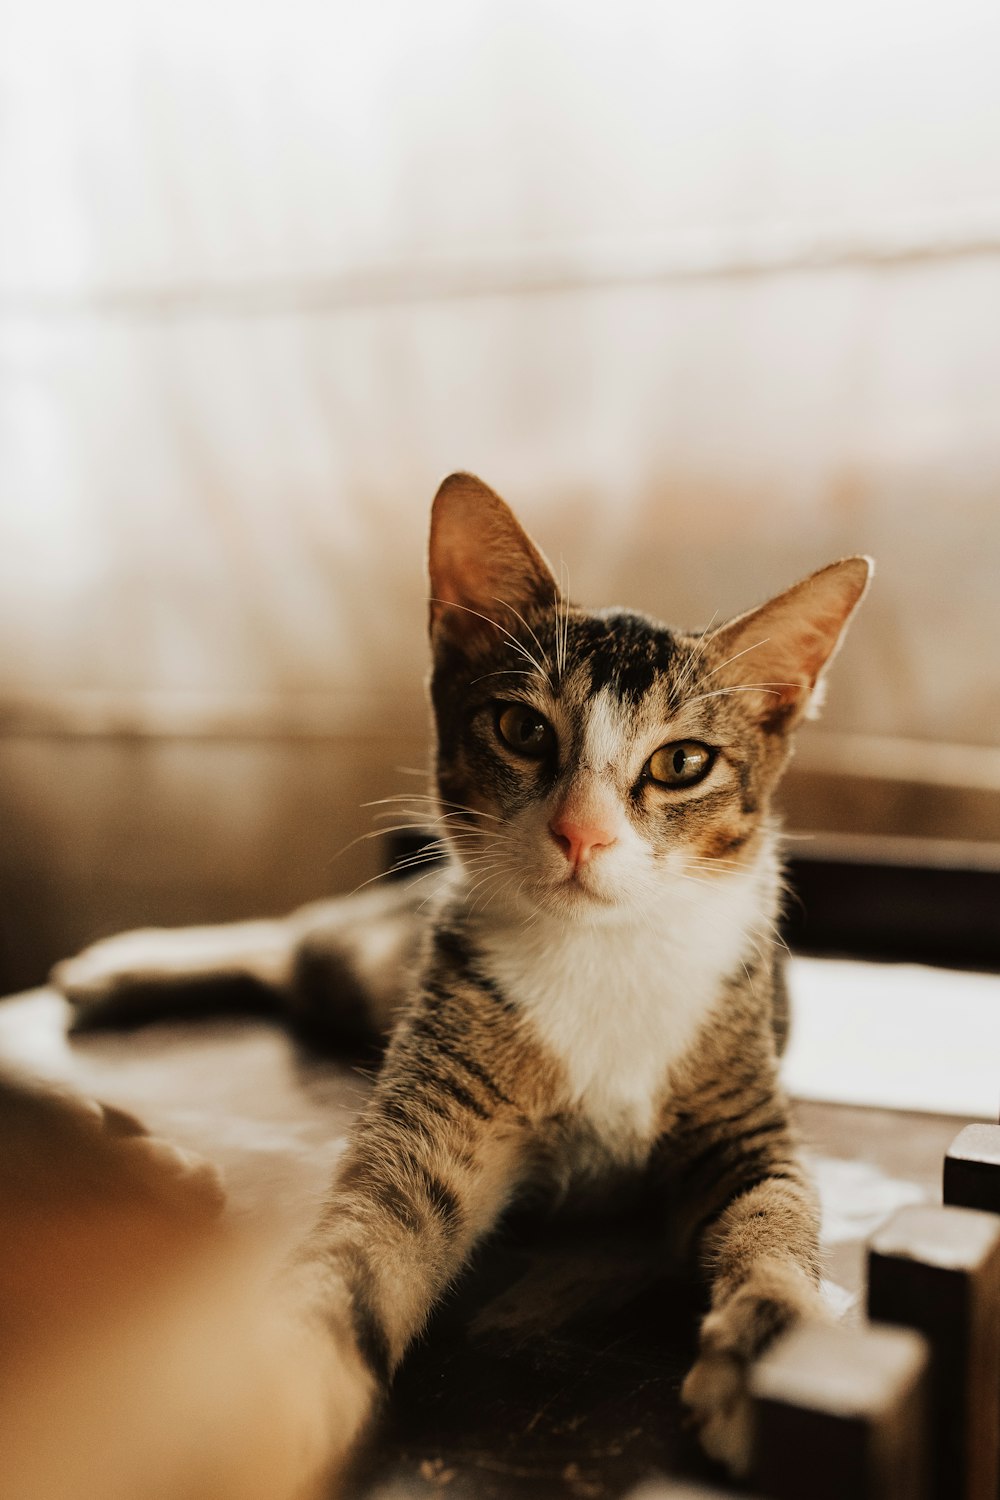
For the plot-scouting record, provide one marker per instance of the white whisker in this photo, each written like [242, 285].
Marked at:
[504, 672]
[518, 645]
[541, 649]
[771, 688]
[736, 656]
[684, 681]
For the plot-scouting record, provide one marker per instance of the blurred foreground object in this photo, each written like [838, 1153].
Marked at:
[143, 1346]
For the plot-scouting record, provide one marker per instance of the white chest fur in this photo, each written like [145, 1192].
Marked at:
[620, 1004]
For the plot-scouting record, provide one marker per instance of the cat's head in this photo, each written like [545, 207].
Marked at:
[587, 760]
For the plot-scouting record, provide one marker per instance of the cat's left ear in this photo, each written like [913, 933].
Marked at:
[776, 655]
[484, 568]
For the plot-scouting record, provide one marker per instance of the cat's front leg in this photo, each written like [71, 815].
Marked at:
[433, 1161]
[759, 1249]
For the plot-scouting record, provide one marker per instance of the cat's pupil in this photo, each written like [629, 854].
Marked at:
[680, 764]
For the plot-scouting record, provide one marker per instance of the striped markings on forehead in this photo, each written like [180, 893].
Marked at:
[623, 651]
[609, 731]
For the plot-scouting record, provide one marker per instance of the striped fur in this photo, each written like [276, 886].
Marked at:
[561, 1018]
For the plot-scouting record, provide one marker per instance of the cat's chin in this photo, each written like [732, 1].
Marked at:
[577, 900]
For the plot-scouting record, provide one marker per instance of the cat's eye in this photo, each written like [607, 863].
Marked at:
[680, 764]
[524, 730]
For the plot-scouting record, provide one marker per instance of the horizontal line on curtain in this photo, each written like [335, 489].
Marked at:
[80, 713]
[770, 251]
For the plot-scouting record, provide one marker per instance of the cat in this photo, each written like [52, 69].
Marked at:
[593, 992]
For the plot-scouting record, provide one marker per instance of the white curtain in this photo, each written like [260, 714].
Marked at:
[710, 292]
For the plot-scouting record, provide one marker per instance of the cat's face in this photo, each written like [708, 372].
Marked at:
[597, 765]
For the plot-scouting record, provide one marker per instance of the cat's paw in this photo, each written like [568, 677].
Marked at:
[715, 1391]
[98, 976]
[715, 1394]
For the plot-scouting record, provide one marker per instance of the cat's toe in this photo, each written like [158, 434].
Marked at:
[715, 1393]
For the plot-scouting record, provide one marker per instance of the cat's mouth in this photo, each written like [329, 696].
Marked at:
[578, 889]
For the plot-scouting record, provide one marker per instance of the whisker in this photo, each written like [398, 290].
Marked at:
[694, 661]
[771, 688]
[541, 649]
[694, 879]
[736, 656]
[518, 645]
[422, 824]
[504, 672]
[560, 607]
[407, 862]
[387, 875]
[488, 894]
[434, 801]
[709, 861]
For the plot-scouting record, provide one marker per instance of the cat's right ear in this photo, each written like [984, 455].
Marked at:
[485, 570]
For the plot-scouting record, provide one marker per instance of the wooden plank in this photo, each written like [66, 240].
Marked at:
[937, 1270]
[841, 1412]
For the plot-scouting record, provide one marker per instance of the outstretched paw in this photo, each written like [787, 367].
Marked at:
[732, 1336]
[97, 979]
[715, 1393]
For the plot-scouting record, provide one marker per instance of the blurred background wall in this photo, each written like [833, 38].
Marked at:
[711, 293]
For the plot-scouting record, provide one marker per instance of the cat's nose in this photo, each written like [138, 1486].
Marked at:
[580, 841]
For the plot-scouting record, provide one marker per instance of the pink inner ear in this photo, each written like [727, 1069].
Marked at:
[783, 647]
[480, 560]
[459, 574]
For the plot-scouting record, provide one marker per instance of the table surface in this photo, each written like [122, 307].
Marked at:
[553, 1368]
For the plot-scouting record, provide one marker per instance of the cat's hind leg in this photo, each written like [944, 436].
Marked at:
[337, 969]
[354, 961]
[152, 972]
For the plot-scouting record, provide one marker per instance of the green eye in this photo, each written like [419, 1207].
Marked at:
[524, 731]
[680, 764]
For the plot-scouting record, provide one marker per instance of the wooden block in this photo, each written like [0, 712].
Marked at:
[972, 1169]
[841, 1412]
[938, 1270]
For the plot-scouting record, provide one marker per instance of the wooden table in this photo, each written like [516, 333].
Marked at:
[553, 1370]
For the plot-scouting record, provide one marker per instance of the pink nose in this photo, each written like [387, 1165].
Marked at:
[580, 841]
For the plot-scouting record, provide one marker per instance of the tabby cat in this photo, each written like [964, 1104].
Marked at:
[594, 994]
